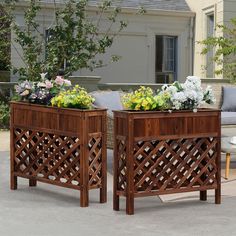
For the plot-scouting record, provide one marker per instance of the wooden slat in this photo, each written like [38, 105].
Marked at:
[155, 157]
[68, 158]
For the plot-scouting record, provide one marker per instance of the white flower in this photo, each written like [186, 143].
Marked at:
[191, 94]
[208, 95]
[188, 95]
[41, 84]
[164, 87]
[192, 82]
[172, 90]
[43, 75]
[180, 97]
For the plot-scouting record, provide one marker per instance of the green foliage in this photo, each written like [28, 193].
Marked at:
[224, 50]
[4, 115]
[4, 39]
[144, 99]
[73, 98]
[74, 38]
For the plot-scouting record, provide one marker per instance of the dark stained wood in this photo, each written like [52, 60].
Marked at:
[162, 153]
[63, 147]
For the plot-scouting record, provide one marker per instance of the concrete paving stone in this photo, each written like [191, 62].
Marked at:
[48, 210]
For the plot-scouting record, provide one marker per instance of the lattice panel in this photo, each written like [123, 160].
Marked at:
[170, 164]
[49, 156]
[95, 161]
[122, 167]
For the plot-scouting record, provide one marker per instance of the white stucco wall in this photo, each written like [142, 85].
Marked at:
[229, 10]
[223, 10]
[136, 46]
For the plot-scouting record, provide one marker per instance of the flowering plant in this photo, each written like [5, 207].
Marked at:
[144, 99]
[41, 92]
[73, 98]
[177, 96]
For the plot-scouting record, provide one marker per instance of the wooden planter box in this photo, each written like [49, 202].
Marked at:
[64, 147]
[160, 153]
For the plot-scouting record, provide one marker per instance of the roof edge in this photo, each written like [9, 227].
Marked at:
[125, 10]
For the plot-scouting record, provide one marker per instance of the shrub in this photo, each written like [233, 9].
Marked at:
[4, 115]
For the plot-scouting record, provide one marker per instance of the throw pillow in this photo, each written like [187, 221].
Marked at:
[229, 99]
[108, 99]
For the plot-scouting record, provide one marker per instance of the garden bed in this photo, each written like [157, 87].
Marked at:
[64, 147]
[160, 153]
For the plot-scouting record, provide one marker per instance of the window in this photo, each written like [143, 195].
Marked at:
[165, 59]
[209, 61]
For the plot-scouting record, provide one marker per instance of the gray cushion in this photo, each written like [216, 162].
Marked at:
[228, 118]
[108, 99]
[229, 99]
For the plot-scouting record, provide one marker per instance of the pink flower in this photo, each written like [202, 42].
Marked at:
[48, 84]
[59, 80]
[67, 82]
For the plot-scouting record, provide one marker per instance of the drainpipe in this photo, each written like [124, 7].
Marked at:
[191, 43]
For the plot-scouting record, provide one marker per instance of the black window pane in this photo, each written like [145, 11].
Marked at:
[159, 53]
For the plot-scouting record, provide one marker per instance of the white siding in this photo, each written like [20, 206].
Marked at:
[136, 46]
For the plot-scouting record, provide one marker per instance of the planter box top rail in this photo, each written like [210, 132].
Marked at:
[62, 121]
[151, 125]
[58, 109]
[166, 112]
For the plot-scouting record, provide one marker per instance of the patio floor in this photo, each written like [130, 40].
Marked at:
[50, 210]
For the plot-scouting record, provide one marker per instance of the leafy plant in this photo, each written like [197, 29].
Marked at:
[188, 95]
[4, 115]
[224, 48]
[144, 99]
[74, 98]
[74, 38]
[4, 39]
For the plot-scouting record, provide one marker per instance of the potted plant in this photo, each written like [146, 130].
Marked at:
[58, 138]
[165, 143]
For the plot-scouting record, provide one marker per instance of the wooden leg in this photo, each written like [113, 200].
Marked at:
[84, 197]
[130, 204]
[13, 182]
[203, 195]
[218, 195]
[103, 189]
[227, 166]
[32, 182]
[103, 194]
[116, 202]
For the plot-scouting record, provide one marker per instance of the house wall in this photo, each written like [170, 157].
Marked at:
[136, 45]
[223, 10]
[229, 10]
